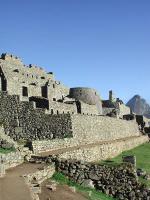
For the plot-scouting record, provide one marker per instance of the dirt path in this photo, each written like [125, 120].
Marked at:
[12, 186]
[63, 192]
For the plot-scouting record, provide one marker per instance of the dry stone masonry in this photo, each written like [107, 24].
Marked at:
[120, 182]
[37, 109]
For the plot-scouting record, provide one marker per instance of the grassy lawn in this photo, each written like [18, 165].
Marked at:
[95, 195]
[5, 151]
[142, 154]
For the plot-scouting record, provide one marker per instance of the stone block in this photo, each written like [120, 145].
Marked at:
[129, 159]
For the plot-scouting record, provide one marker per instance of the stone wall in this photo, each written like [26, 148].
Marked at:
[147, 121]
[22, 121]
[101, 128]
[120, 182]
[38, 125]
[40, 175]
[89, 130]
[8, 141]
[108, 110]
[60, 91]
[34, 180]
[12, 159]
[104, 151]
[89, 109]
[9, 112]
[55, 144]
[62, 108]
[124, 110]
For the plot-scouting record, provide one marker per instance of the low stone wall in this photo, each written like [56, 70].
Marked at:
[104, 151]
[35, 179]
[40, 175]
[12, 159]
[119, 182]
[49, 145]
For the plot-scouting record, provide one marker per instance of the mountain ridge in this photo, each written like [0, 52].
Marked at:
[139, 106]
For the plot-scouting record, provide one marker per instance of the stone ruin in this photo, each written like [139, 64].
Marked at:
[38, 110]
[35, 106]
[33, 84]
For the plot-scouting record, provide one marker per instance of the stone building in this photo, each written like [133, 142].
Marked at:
[36, 108]
[33, 84]
[115, 105]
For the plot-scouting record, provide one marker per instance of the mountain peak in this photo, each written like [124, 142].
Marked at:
[139, 105]
[137, 96]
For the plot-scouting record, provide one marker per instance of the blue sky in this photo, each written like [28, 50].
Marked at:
[104, 44]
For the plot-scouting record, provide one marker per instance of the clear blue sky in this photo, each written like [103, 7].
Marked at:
[104, 44]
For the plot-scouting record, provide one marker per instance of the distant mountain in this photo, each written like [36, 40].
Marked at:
[139, 106]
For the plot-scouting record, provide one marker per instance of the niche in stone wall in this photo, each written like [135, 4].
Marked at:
[44, 91]
[24, 91]
[42, 77]
[3, 82]
[16, 70]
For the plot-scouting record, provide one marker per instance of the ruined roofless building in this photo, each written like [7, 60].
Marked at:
[33, 84]
[35, 107]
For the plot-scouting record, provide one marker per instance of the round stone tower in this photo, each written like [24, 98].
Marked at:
[86, 95]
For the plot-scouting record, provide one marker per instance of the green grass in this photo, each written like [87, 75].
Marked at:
[95, 195]
[142, 154]
[5, 151]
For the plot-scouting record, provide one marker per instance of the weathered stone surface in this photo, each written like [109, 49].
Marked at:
[130, 159]
[88, 183]
[120, 182]
[23, 122]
